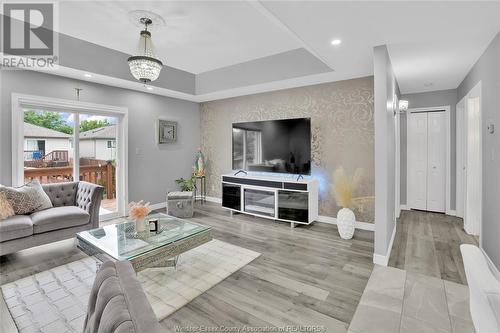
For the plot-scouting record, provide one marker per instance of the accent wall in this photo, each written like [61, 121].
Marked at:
[341, 126]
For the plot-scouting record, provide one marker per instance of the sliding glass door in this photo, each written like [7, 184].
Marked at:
[97, 155]
[64, 146]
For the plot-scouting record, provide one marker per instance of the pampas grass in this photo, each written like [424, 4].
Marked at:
[344, 186]
[138, 210]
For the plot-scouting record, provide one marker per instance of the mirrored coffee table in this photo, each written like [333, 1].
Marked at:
[148, 249]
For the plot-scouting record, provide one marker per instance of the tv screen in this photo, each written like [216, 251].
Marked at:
[282, 146]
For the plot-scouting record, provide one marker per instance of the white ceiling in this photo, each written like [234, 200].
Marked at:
[198, 36]
[428, 41]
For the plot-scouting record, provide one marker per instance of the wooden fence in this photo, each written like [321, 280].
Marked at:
[98, 174]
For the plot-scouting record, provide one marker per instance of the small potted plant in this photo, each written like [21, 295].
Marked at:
[343, 189]
[187, 185]
[138, 211]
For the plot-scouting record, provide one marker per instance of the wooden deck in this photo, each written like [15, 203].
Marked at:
[108, 205]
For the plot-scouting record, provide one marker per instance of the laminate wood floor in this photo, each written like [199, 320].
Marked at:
[305, 276]
[429, 243]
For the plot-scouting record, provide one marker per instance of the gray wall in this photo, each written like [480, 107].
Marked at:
[151, 172]
[487, 70]
[386, 93]
[282, 66]
[429, 99]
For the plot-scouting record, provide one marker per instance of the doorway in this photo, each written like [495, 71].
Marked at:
[428, 159]
[469, 157]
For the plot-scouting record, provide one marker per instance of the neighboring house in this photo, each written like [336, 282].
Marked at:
[40, 141]
[99, 143]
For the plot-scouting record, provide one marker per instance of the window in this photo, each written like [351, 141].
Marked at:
[111, 143]
[253, 151]
[34, 149]
[31, 144]
[67, 138]
[247, 148]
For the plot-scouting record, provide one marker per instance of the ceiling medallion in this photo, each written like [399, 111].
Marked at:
[144, 66]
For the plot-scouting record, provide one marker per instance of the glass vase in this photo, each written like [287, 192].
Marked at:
[140, 225]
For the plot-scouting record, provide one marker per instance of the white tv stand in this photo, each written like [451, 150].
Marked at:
[277, 198]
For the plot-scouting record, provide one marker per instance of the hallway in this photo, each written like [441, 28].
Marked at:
[429, 244]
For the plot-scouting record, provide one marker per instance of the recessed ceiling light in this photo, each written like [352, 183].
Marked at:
[149, 88]
[336, 42]
[87, 75]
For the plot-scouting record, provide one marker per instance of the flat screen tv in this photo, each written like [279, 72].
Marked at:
[280, 146]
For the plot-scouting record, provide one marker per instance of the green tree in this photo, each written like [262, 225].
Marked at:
[52, 120]
[87, 125]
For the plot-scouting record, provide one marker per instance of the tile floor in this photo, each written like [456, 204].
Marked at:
[398, 301]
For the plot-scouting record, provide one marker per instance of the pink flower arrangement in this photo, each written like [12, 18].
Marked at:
[138, 210]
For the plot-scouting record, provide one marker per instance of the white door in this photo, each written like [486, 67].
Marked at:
[461, 158]
[436, 161]
[473, 196]
[397, 125]
[427, 161]
[417, 160]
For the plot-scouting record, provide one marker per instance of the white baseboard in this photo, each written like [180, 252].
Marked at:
[214, 199]
[381, 259]
[357, 224]
[159, 205]
[403, 207]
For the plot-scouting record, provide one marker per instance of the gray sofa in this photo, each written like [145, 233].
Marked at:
[117, 303]
[76, 208]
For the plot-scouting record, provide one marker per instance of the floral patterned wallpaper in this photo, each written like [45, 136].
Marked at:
[342, 134]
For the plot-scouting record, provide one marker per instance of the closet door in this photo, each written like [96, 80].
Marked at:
[417, 160]
[436, 162]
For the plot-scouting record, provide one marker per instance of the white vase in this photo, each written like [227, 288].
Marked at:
[345, 223]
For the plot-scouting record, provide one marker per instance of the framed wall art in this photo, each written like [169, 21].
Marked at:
[167, 131]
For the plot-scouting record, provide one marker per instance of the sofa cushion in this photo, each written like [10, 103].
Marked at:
[61, 194]
[6, 209]
[59, 218]
[14, 227]
[28, 198]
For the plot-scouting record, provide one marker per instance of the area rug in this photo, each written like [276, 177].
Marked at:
[56, 300]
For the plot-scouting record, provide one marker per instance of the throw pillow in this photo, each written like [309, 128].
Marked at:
[6, 209]
[28, 198]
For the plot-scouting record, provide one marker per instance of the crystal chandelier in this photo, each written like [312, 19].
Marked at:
[144, 66]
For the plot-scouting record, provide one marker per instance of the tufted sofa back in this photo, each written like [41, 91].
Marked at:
[61, 194]
[85, 195]
[117, 303]
[82, 194]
